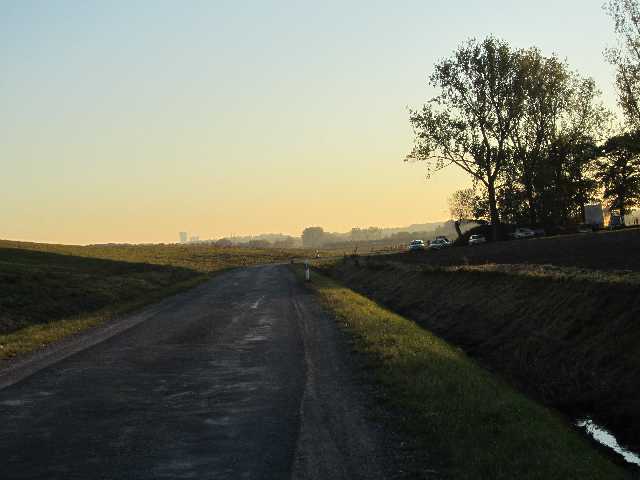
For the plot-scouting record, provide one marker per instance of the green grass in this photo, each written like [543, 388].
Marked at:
[48, 292]
[567, 336]
[471, 424]
[39, 335]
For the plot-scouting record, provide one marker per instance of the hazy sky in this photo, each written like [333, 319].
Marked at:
[130, 121]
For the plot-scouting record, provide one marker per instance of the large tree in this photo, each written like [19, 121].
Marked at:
[626, 56]
[564, 180]
[547, 88]
[469, 124]
[561, 122]
[618, 171]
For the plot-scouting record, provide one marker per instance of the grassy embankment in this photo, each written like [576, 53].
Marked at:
[605, 250]
[469, 423]
[567, 337]
[50, 291]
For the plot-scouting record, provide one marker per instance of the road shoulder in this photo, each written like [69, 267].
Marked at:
[344, 432]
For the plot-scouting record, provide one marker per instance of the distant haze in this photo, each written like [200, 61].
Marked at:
[132, 121]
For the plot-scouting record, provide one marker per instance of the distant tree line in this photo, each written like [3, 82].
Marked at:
[532, 133]
[317, 237]
[275, 241]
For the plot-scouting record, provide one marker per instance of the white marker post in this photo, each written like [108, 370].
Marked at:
[306, 270]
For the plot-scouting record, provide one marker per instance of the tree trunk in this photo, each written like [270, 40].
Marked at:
[458, 231]
[533, 218]
[493, 209]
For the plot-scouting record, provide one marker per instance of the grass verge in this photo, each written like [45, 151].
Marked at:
[567, 337]
[472, 424]
[39, 335]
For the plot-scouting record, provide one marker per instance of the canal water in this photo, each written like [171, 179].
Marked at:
[607, 439]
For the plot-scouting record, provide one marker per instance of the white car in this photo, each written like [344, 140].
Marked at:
[438, 244]
[477, 239]
[417, 245]
[524, 233]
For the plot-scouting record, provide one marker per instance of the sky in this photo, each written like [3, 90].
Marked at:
[129, 121]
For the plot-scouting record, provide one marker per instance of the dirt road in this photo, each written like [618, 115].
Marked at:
[242, 377]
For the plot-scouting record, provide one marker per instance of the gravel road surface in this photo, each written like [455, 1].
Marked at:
[243, 377]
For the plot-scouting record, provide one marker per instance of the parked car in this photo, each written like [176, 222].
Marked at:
[438, 244]
[477, 239]
[417, 245]
[524, 232]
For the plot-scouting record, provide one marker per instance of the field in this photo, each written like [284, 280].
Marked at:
[466, 422]
[50, 291]
[567, 336]
[199, 258]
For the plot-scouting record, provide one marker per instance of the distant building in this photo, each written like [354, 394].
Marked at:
[183, 237]
[194, 239]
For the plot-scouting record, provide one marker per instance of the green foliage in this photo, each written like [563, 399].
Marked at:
[467, 204]
[482, 94]
[618, 170]
[554, 143]
[523, 126]
[626, 57]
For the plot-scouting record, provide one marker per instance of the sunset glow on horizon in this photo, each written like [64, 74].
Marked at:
[130, 123]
